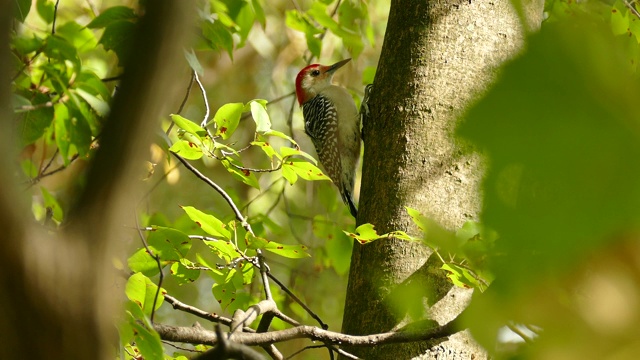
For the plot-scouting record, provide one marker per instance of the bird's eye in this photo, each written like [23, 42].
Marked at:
[315, 73]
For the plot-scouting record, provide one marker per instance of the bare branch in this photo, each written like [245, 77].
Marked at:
[178, 305]
[229, 350]
[207, 337]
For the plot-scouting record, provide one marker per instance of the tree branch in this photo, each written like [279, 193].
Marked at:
[207, 337]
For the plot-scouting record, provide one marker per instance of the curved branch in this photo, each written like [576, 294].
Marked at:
[201, 336]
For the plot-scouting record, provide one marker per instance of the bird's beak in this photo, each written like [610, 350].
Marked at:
[331, 69]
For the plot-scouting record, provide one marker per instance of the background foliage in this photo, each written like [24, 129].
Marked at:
[559, 129]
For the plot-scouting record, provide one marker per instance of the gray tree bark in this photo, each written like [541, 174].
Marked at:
[437, 57]
[56, 290]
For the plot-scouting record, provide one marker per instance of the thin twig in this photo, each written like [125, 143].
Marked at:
[520, 333]
[207, 112]
[296, 299]
[157, 258]
[631, 8]
[112, 78]
[184, 100]
[55, 16]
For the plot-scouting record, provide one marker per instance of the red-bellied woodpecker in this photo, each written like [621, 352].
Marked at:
[332, 122]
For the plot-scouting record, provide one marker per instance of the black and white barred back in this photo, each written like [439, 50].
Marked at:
[321, 124]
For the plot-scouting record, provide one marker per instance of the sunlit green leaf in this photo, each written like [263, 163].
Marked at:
[619, 18]
[189, 126]
[140, 261]
[240, 173]
[112, 15]
[209, 223]
[304, 169]
[260, 116]
[227, 119]
[366, 233]
[288, 151]
[288, 251]
[169, 244]
[280, 135]
[186, 149]
[267, 148]
[79, 36]
[141, 290]
[182, 273]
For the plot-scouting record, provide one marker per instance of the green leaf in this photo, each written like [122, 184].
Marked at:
[25, 45]
[469, 230]
[366, 233]
[314, 44]
[259, 11]
[21, 9]
[281, 135]
[141, 262]
[182, 273]
[112, 15]
[619, 18]
[148, 342]
[267, 148]
[224, 289]
[223, 249]
[288, 251]
[260, 116]
[59, 48]
[289, 174]
[186, 149]
[169, 244]
[304, 169]
[51, 203]
[100, 106]
[192, 59]
[141, 290]
[33, 124]
[297, 21]
[88, 81]
[351, 39]
[462, 277]
[420, 220]
[46, 10]
[219, 36]
[80, 37]
[118, 36]
[368, 75]
[209, 223]
[62, 137]
[78, 124]
[286, 151]
[243, 175]
[244, 20]
[227, 119]
[189, 126]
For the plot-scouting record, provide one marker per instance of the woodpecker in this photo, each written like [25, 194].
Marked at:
[332, 122]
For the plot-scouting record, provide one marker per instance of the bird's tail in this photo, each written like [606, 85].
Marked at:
[348, 199]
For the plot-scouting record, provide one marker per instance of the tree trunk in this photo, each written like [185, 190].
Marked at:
[57, 295]
[437, 57]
